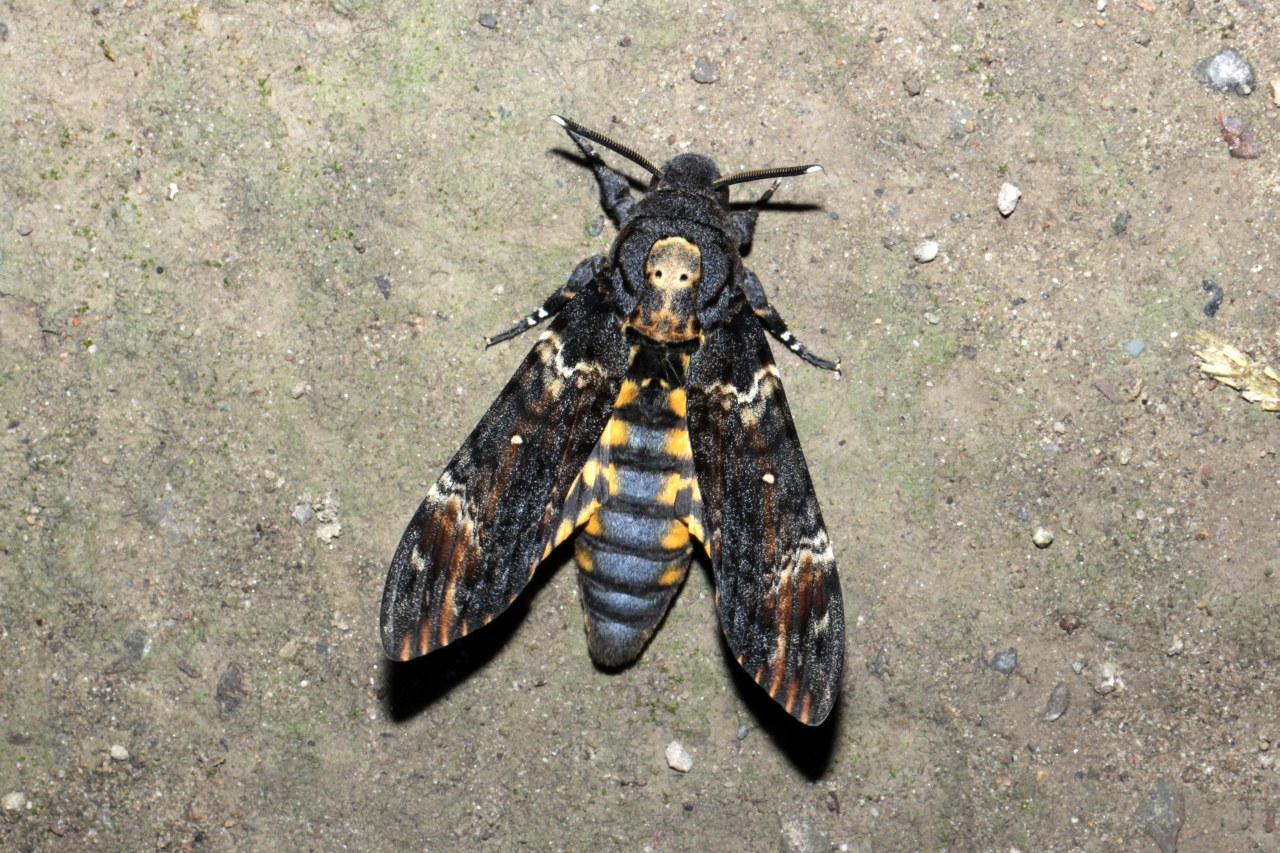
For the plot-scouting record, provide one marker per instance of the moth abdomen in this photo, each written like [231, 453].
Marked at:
[635, 547]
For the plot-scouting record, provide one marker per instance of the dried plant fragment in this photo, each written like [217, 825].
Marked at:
[1256, 382]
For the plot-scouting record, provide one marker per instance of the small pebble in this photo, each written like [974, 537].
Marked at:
[1042, 537]
[488, 20]
[1161, 813]
[1275, 92]
[298, 390]
[1240, 140]
[1215, 300]
[329, 531]
[742, 732]
[1004, 662]
[1121, 223]
[14, 801]
[878, 664]
[678, 758]
[1008, 199]
[800, 835]
[1108, 681]
[705, 71]
[302, 513]
[1059, 701]
[119, 752]
[1135, 347]
[231, 690]
[925, 251]
[1225, 70]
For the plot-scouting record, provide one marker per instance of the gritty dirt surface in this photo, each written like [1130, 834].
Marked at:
[248, 254]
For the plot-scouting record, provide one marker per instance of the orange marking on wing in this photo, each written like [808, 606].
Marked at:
[782, 618]
[424, 636]
[446, 611]
[793, 687]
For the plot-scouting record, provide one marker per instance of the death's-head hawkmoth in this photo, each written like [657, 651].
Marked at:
[648, 416]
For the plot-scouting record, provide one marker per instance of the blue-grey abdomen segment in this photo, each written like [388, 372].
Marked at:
[631, 558]
[624, 599]
[638, 487]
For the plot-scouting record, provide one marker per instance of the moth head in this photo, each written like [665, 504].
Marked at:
[690, 172]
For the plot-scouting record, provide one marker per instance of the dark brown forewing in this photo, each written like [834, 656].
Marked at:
[777, 591]
[480, 532]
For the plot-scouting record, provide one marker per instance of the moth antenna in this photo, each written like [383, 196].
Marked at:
[763, 174]
[631, 154]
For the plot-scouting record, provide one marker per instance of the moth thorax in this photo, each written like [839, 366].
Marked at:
[666, 311]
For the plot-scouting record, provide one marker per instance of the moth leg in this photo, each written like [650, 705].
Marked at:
[615, 190]
[743, 223]
[773, 322]
[581, 277]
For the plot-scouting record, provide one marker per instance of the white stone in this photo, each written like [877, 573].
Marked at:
[1008, 199]
[678, 758]
[925, 251]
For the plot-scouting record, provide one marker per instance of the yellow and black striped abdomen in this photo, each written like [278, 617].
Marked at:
[637, 501]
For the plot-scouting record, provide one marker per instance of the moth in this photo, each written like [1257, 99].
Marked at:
[648, 416]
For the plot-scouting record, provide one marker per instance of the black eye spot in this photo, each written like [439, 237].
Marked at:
[684, 276]
[657, 273]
